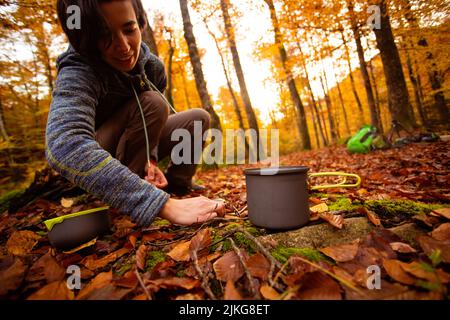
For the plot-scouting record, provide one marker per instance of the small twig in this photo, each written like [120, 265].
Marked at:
[253, 290]
[280, 271]
[204, 282]
[273, 262]
[149, 297]
[242, 210]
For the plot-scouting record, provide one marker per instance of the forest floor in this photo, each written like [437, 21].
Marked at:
[403, 188]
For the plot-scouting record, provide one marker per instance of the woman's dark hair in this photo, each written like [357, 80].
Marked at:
[93, 24]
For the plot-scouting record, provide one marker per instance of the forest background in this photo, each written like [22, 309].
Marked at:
[317, 70]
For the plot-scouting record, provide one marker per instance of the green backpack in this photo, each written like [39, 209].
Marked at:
[361, 142]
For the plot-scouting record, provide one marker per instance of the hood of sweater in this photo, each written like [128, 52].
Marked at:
[115, 86]
[148, 68]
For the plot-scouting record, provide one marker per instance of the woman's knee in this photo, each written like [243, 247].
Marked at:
[201, 115]
[154, 105]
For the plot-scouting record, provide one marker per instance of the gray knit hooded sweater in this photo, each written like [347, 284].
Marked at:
[85, 94]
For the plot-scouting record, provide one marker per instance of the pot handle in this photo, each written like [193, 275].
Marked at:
[338, 185]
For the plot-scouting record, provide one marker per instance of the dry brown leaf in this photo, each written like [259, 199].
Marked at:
[20, 243]
[12, 273]
[124, 222]
[228, 267]
[395, 270]
[430, 245]
[132, 238]
[158, 235]
[214, 256]
[443, 212]
[141, 256]
[200, 242]
[231, 293]
[57, 290]
[129, 280]
[46, 268]
[417, 270]
[258, 266]
[372, 216]
[333, 219]
[173, 283]
[441, 233]
[318, 286]
[402, 247]
[67, 203]
[101, 280]
[341, 253]
[181, 251]
[92, 263]
[190, 296]
[319, 208]
[341, 273]
[269, 293]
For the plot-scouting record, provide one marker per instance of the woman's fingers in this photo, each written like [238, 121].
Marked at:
[219, 208]
[206, 217]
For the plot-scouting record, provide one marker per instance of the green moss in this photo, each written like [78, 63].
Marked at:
[244, 242]
[8, 197]
[124, 268]
[153, 258]
[400, 207]
[344, 204]
[160, 222]
[282, 254]
[181, 273]
[319, 195]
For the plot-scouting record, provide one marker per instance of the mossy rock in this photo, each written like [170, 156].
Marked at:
[321, 235]
[344, 204]
[405, 208]
[282, 254]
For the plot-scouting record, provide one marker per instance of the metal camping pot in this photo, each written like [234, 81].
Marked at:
[69, 231]
[277, 197]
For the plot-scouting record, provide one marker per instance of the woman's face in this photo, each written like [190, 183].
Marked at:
[123, 51]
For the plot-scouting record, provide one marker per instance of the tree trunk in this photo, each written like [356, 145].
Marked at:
[329, 109]
[311, 93]
[436, 80]
[251, 116]
[148, 37]
[3, 132]
[169, 91]
[350, 73]
[197, 66]
[363, 67]
[415, 84]
[185, 87]
[398, 97]
[377, 94]
[303, 127]
[237, 109]
[341, 99]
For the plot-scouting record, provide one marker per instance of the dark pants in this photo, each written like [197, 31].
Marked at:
[122, 135]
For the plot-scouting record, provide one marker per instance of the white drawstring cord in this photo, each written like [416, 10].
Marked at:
[147, 143]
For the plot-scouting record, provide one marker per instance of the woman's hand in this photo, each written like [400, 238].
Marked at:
[155, 176]
[193, 210]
